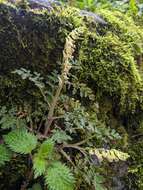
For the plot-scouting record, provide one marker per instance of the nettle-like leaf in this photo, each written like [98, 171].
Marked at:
[46, 149]
[5, 155]
[21, 141]
[40, 160]
[59, 177]
[39, 166]
[112, 155]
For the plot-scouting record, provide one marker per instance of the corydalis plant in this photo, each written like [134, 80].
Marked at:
[66, 66]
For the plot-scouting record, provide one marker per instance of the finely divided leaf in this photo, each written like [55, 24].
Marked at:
[60, 136]
[112, 155]
[8, 122]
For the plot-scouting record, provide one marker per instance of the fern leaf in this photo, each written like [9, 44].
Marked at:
[60, 136]
[98, 182]
[40, 159]
[8, 122]
[59, 177]
[112, 155]
[21, 141]
[5, 155]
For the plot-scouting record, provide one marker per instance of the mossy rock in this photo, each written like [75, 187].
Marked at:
[107, 55]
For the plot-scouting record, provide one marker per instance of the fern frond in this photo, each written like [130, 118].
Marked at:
[112, 155]
[83, 90]
[60, 136]
[36, 78]
[21, 141]
[59, 177]
[5, 155]
[98, 182]
[8, 122]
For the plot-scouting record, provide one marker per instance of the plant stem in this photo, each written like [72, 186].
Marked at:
[67, 157]
[74, 147]
[84, 141]
[26, 183]
[53, 105]
[44, 96]
[68, 51]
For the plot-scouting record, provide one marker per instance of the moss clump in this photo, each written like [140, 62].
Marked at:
[109, 59]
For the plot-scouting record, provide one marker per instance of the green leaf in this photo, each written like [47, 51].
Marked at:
[46, 149]
[98, 182]
[60, 136]
[5, 155]
[8, 122]
[39, 166]
[21, 141]
[44, 153]
[59, 177]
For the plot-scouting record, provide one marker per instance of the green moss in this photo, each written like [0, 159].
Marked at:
[125, 28]
[109, 59]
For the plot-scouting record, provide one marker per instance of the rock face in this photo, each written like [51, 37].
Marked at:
[49, 5]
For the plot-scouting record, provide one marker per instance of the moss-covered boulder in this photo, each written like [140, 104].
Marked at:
[34, 39]
[108, 58]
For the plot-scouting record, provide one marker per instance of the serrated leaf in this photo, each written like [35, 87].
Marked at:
[5, 155]
[39, 166]
[46, 149]
[21, 141]
[59, 177]
[44, 153]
